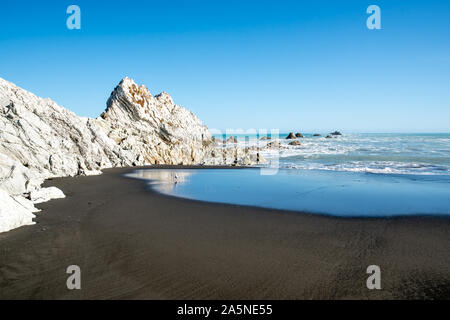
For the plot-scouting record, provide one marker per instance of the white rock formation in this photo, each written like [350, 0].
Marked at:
[40, 139]
[153, 130]
[12, 213]
[46, 194]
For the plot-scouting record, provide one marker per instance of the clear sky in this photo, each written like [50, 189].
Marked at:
[291, 65]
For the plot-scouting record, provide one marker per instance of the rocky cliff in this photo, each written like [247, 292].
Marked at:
[40, 139]
[152, 129]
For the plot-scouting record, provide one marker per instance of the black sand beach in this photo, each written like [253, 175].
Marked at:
[133, 243]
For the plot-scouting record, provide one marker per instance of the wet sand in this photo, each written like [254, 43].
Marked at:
[133, 243]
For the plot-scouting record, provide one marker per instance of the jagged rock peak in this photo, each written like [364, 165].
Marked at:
[136, 100]
[164, 98]
[138, 94]
[153, 128]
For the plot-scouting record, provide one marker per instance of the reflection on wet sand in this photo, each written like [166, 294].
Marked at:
[165, 179]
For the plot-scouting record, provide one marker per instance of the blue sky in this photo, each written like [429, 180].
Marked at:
[291, 65]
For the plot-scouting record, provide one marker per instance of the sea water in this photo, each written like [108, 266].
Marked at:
[376, 152]
[355, 175]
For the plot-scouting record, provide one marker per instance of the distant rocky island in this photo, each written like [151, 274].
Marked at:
[40, 140]
[297, 135]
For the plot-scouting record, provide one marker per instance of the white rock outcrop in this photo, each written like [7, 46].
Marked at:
[46, 194]
[153, 130]
[13, 214]
[40, 140]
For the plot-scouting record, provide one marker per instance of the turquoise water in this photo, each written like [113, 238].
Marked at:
[346, 194]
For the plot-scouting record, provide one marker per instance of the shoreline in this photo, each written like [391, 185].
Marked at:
[153, 188]
[132, 242]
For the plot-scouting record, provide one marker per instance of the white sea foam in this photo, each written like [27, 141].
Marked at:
[385, 167]
[424, 154]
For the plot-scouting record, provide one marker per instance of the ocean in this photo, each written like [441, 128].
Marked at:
[354, 175]
[388, 153]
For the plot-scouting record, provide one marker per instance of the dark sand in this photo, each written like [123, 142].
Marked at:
[132, 243]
